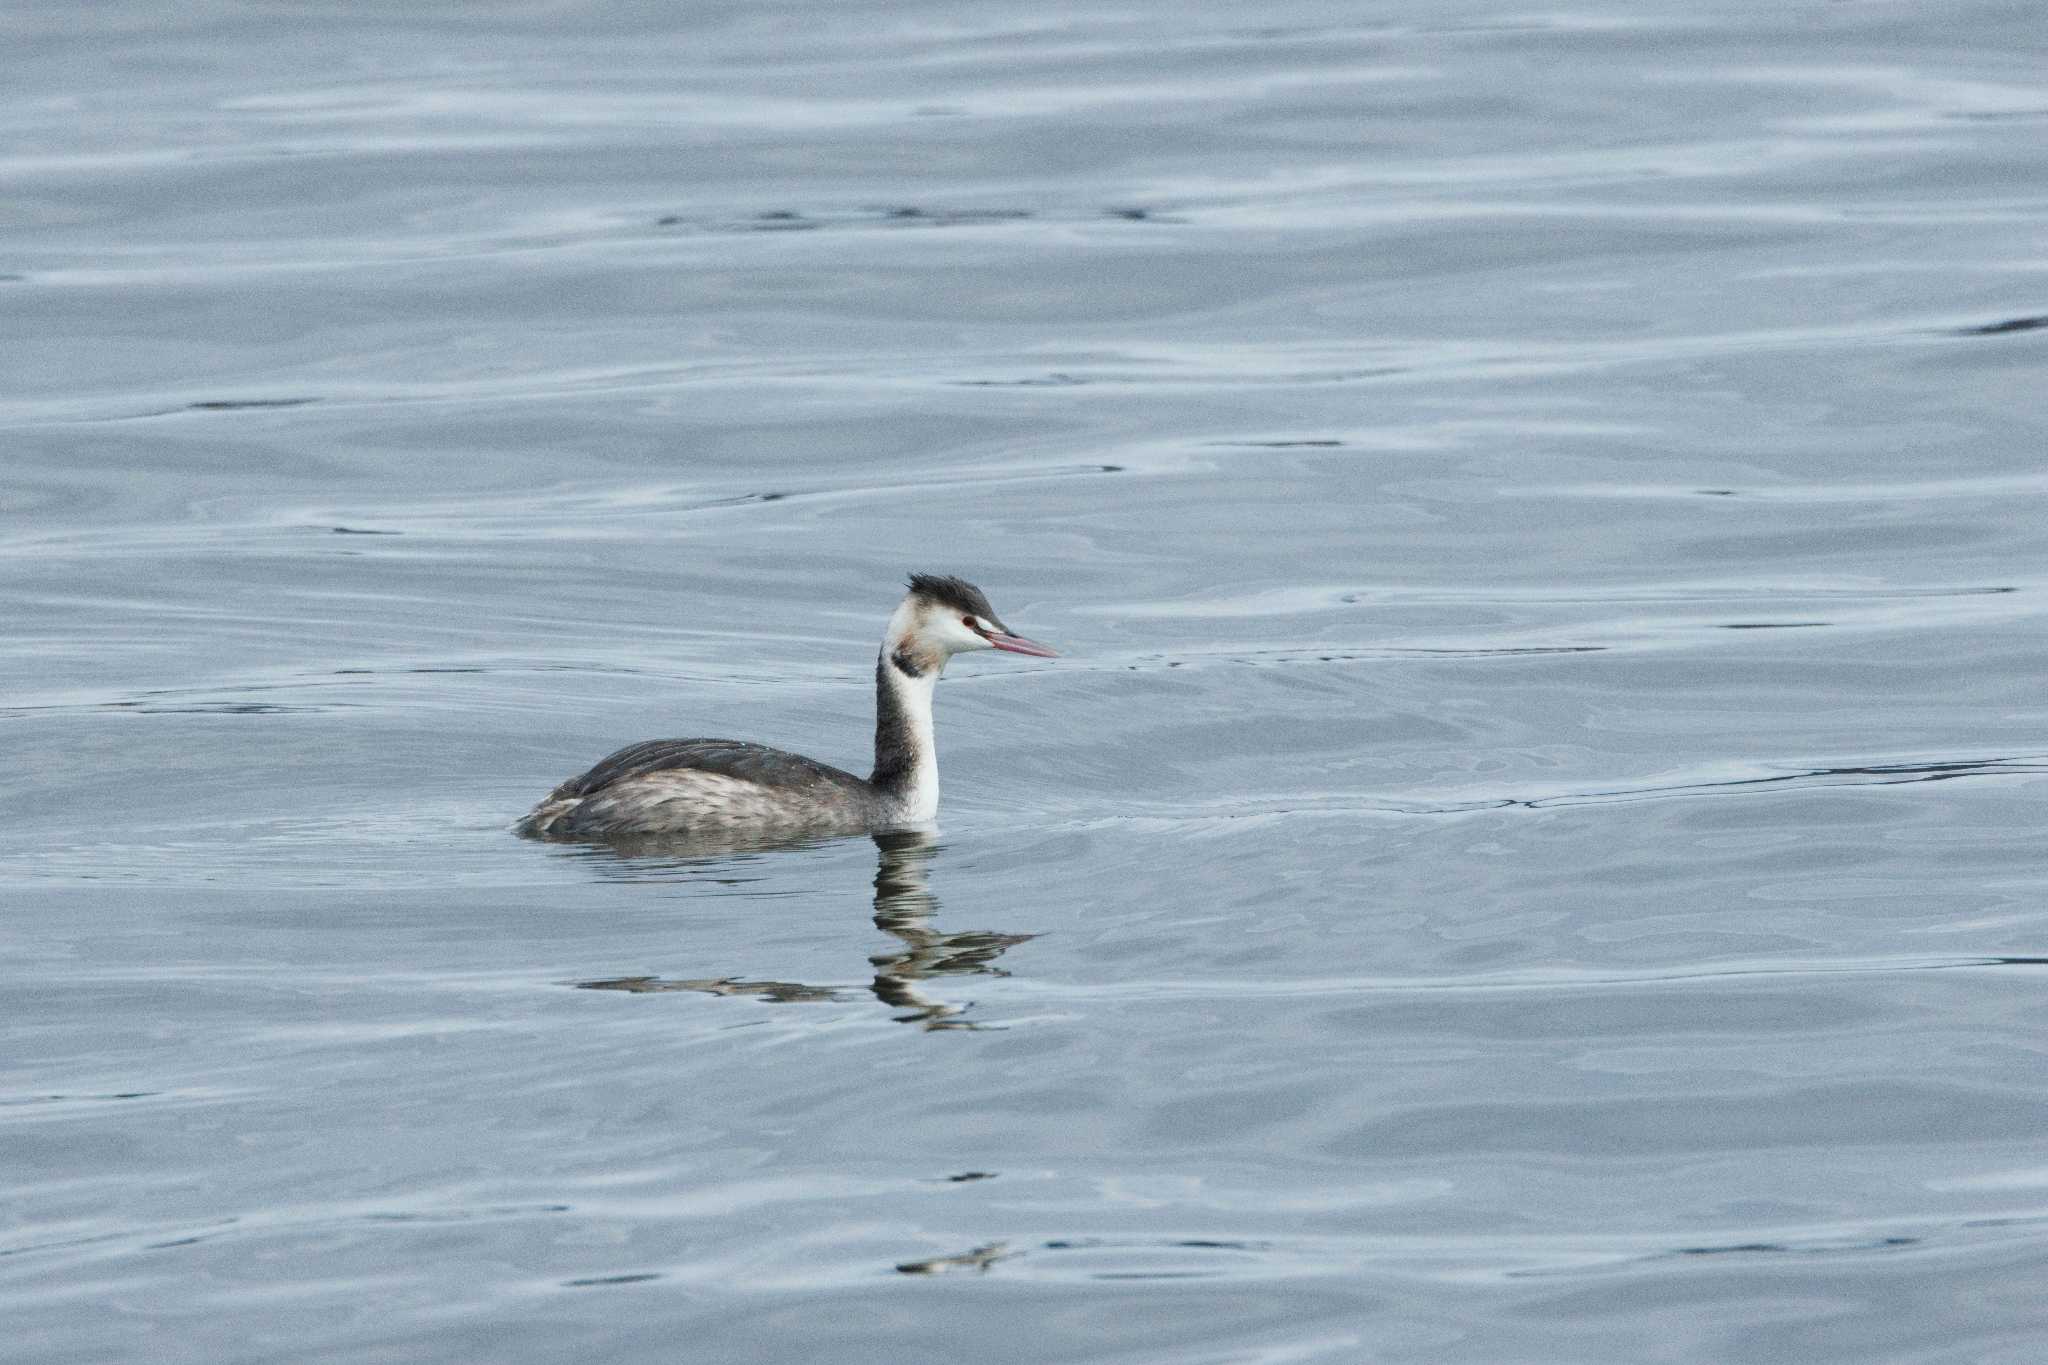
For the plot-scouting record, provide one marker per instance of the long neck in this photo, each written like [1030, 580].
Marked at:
[906, 758]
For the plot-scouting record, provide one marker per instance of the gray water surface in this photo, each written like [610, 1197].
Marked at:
[1531, 853]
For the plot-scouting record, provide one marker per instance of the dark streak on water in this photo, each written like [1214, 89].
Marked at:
[1282, 445]
[897, 216]
[1782, 1249]
[2005, 328]
[1055, 380]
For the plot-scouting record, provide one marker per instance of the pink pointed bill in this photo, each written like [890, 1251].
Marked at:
[1017, 644]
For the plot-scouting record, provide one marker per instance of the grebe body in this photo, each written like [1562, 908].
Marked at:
[720, 788]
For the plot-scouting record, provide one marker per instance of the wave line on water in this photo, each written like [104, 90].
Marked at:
[1806, 779]
[1554, 979]
[1481, 1258]
[1851, 775]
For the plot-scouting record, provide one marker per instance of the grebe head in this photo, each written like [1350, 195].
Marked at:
[944, 616]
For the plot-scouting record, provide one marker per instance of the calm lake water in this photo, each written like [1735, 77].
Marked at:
[1532, 851]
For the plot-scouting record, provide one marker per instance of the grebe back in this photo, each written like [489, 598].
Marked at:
[720, 787]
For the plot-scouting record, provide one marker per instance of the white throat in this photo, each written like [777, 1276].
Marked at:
[906, 754]
[918, 798]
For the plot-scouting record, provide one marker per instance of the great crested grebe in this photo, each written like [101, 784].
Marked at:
[711, 788]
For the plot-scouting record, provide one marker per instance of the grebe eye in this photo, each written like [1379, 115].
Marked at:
[968, 621]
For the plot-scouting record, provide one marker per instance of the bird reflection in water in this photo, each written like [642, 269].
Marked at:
[904, 909]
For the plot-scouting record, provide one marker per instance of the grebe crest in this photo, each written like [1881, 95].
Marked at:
[719, 791]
